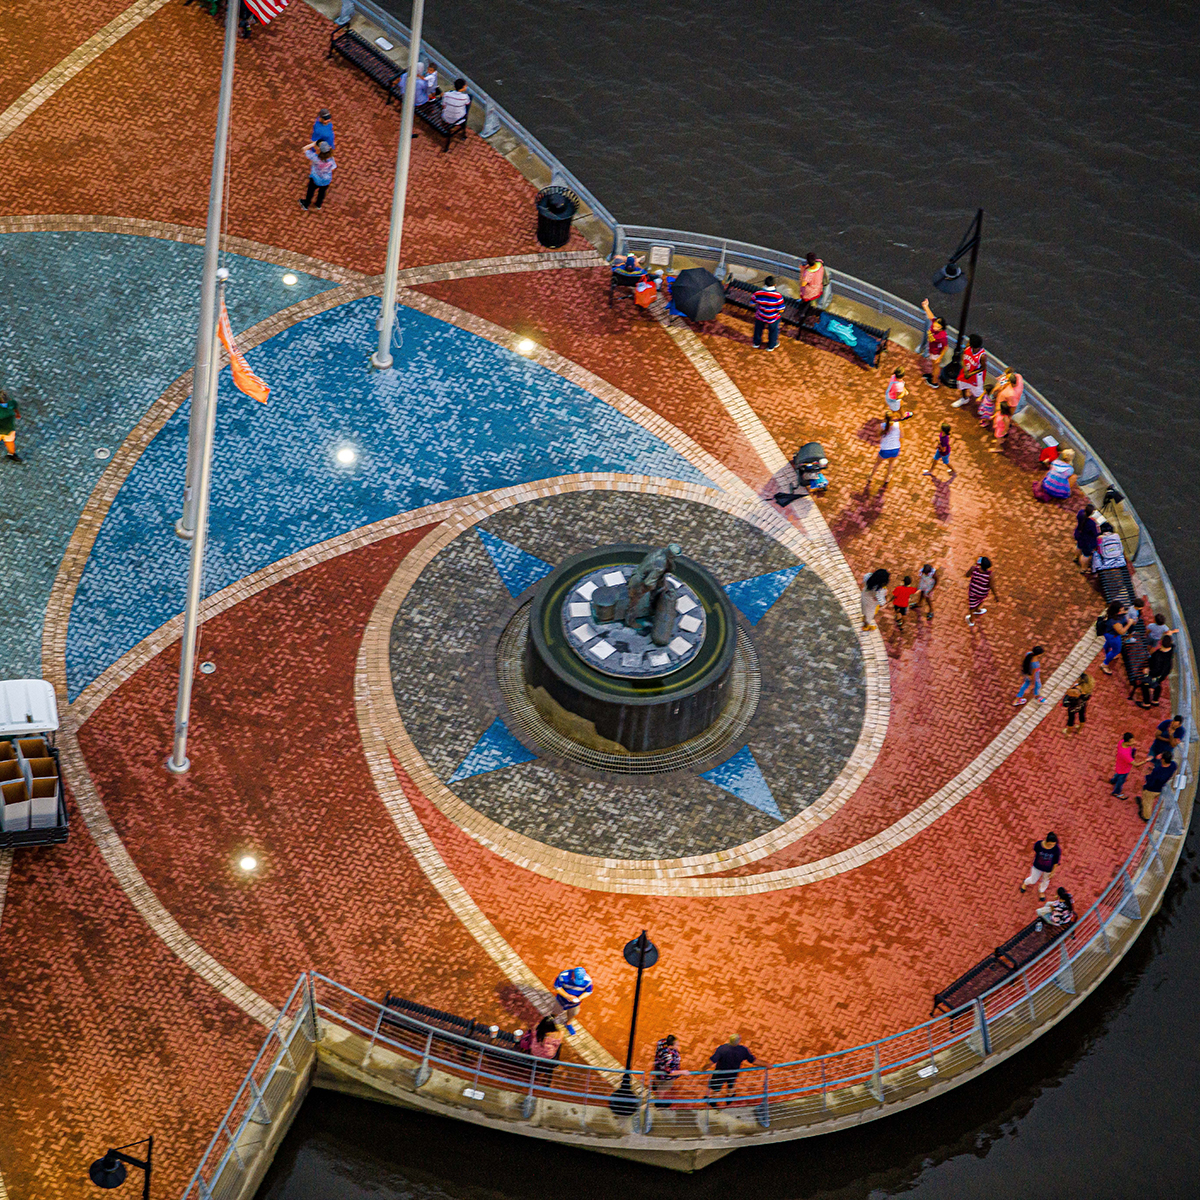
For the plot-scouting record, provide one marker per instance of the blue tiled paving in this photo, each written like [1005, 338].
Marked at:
[457, 415]
[741, 777]
[517, 568]
[754, 597]
[95, 327]
[495, 749]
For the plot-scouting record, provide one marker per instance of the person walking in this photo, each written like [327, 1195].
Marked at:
[322, 130]
[9, 412]
[889, 447]
[927, 580]
[768, 310]
[320, 174]
[668, 1066]
[936, 339]
[874, 594]
[1060, 912]
[728, 1061]
[942, 453]
[812, 284]
[896, 390]
[1076, 701]
[972, 372]
[1116, 625]
[1046, 856]
[1160, 775]
[571, 988]
[901, 598]
[1087, 534]
[981, 583]
[1031, 670]
[1162, 658]
[1126, 760]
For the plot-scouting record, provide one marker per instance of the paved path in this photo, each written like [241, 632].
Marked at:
[139, 964]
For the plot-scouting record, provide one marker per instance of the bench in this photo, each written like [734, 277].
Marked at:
[366, 57]
[1004, 960]
[740, 294]
[1117, 584]
[431, 113]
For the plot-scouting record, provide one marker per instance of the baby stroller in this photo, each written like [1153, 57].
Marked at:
[807, 462]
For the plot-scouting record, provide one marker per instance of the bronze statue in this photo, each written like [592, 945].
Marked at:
[651, 597]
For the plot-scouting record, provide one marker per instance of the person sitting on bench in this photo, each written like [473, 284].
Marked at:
[1060, 912]
[456, 103]
[423, 93]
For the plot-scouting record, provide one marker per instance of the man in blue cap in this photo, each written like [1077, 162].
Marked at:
[571, 988]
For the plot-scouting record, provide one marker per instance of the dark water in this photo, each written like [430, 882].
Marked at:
[871, 132]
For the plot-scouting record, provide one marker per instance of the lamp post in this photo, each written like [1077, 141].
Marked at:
[109, 1171]
[185, 527]
[951, 279]
[642, 953]
[381, 360]
[178, 763]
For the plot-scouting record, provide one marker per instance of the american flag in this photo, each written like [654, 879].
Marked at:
[264, 10]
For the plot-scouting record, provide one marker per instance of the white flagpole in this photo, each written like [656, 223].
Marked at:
[186, 525]
[382, 358]
[178, 762]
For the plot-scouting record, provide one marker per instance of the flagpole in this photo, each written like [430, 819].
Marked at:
[178, 762]
[381, 360]
[185, 527]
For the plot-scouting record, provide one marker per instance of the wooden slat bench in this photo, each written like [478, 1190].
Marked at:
[431, 114]
[741, 295]
[367, 58]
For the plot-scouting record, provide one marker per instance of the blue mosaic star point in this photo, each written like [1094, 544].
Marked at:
[755, 596]
[741, 777]
[495, 749]
[518, 569]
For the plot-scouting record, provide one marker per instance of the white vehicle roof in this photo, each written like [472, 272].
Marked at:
[27, 707]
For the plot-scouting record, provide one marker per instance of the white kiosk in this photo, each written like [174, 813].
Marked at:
[32, 809]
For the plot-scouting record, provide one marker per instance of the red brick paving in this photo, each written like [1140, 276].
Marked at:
[106, 1035]
[82, 153]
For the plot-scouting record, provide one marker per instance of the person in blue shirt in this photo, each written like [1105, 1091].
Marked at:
[322, 130]
[422, 96]
[1160, 775]
[571, 988]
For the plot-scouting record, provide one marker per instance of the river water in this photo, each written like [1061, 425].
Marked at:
[870, 133]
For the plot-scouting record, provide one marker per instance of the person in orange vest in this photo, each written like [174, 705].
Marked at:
[812, 283]
[645, 291]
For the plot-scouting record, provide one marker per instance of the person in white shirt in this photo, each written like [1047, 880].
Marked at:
[456, 103]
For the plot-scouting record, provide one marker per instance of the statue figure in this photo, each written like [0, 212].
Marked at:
[651, 597]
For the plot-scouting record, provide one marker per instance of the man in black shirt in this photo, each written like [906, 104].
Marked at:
[728, 1060]
[1164, 767]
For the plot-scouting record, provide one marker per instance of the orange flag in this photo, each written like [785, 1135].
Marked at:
[244, 379]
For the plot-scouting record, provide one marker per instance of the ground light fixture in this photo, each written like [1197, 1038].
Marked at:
[110, 1171]
[526, 346]
[641, 952]
[952, 280]
[291, 280]
[248, 863]
[346, 456]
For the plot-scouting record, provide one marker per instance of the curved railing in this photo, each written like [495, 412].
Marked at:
[362, 1043]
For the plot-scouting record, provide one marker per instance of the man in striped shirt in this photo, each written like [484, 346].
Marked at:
[768, 309]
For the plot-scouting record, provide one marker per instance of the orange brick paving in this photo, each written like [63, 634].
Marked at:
[278, 770]
[151, 157]
[107, 1036]
[567, 311]
[35, 36]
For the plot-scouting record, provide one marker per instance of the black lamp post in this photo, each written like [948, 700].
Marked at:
[109, 1171]
[952, 279]
[640, 953]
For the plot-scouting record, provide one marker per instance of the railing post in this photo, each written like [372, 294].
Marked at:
[763, 1110]
[587, 1089]
[824, 1095]
[314, 1030]
[646, 1119]
[1065, 979]
[1174, 821]
[980, 1039]
[374, 1035]
[527, 1102]
[259, 1103]
[1129, 906]
[423, 1072]
[875, 1087]
[1104, 935]
[1029, 997]
[491, 120]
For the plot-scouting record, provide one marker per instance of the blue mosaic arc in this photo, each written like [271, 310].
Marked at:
[496, 748]
[96, 327]
[756, 596]
[742, 777]
[517, 568]
[457, 415]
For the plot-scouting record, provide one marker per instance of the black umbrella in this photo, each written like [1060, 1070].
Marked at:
[698, 294]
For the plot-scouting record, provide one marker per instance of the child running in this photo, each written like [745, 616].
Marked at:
[942, 453]
[897, 389]
[927, 580]
[901, 598]
[1031, 669]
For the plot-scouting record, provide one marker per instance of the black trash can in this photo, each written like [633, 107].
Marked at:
[556, 209]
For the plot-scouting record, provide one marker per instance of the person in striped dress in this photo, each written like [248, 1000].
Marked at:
[768, 310]
[981, 582]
